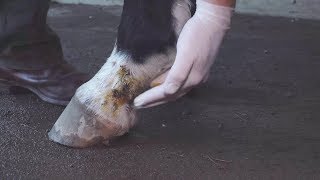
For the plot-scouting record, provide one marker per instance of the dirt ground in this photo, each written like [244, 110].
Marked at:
[256, 118]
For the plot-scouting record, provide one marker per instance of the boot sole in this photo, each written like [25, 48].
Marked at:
[36, 91]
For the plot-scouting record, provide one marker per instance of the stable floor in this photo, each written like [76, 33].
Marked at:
[258, 117]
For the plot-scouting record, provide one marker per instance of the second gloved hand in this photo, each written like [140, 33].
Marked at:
[197, 47]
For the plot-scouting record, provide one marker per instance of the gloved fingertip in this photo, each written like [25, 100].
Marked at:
[138, 102]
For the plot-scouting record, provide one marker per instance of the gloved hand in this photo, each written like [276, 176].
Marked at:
[197, 47]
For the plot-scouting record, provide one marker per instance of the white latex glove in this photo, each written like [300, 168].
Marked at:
[197, 47]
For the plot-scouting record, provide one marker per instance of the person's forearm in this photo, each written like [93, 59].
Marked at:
[230, 3]
[211, 12]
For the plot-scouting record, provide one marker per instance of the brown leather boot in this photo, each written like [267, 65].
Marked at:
[38, 66]
[30, 52]
[55, 85]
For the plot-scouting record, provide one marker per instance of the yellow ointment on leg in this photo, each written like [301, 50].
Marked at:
[125, 90]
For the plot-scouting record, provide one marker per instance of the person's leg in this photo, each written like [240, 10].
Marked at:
[31, 54]
[18, 14]
[24, 33]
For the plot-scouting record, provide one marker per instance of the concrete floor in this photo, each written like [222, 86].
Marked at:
[259, 111]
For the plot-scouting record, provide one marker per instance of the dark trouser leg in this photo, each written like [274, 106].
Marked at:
[31, 55]
[26, 42]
